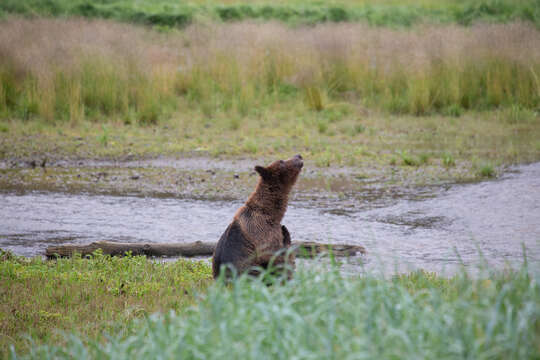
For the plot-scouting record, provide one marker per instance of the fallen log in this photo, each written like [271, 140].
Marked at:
[198, 248]
[310, 249]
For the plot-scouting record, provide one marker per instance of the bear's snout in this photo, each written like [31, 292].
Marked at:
[298, 161]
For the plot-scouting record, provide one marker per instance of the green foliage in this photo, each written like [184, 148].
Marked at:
[448, 160]
[104, 137]
[322, 125]
[486, 170]
[476, 85]
[250, 146]
[89, 295]
[323, 314]
[359, 128]
[324, 159]
[454, 110]
[410, 160]
[355, 130]
[423, 159]
[516, 114]
[407, 159]
[131, 75]
[170, 13]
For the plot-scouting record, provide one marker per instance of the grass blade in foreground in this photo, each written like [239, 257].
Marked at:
[325, 315]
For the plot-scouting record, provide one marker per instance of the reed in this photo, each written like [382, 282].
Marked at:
[63, 70]
[53, 70]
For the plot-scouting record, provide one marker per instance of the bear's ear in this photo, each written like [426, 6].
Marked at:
[262, 171]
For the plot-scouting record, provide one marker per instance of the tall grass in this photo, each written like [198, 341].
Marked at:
[70, 69]
[324, 315]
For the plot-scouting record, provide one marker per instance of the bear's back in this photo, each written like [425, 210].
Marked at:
[232, 249]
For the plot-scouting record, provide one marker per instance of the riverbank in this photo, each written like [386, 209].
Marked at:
[187, 153]
[320, 313]
[451, 106]
[89, 297]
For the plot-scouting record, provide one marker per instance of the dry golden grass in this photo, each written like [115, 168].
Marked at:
[71, 69]
[37, 45]
[75, 68]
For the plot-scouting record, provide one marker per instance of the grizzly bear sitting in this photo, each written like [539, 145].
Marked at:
[256, 234]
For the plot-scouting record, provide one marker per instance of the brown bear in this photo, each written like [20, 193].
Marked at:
[256, 234]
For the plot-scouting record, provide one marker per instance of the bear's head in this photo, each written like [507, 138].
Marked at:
[281, 174]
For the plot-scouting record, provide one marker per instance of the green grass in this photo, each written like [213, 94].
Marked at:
[140, 76]
[88, 297]
[486, 171]
[323, 314]
[104, 137]
[170, 13]
[448, 160]
[98, 89]
[455, 145]
[407, 159]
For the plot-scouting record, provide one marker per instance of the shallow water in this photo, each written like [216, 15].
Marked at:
[456, 224]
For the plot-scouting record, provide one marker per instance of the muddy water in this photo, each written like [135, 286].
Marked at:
[451, 225]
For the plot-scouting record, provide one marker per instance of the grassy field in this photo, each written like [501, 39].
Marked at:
[317, 315]
[170, 13]
[68, 70]
[89, 297]
[452, 148]
[342, 94]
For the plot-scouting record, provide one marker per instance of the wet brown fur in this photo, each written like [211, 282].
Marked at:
[257, 224]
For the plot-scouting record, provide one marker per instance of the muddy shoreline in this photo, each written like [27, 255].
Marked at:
[205, 178]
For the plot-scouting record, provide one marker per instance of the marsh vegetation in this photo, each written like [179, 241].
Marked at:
[343, 94]
[70, 70]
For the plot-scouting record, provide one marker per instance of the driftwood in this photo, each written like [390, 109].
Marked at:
[311, 249]
[198, 248]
